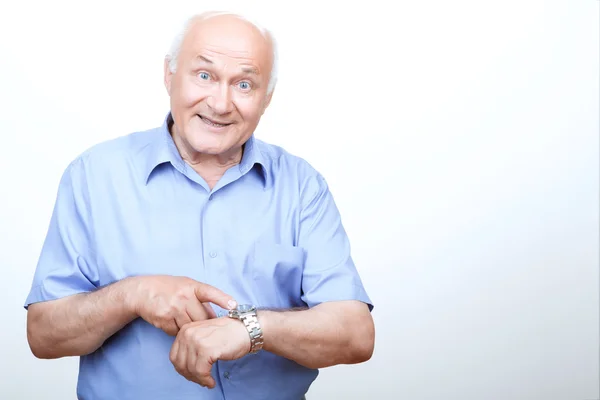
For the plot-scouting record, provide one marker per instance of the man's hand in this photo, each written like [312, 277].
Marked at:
[170, 302]
[200, 344]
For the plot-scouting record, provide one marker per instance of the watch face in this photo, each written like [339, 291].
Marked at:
[241, 310]
[244, 308]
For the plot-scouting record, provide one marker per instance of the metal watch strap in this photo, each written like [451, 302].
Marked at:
[256, 336]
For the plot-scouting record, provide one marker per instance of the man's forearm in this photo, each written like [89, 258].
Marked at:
[78, 324]
[325, 335]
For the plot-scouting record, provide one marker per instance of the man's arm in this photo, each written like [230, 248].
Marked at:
[340, 332]
[327, 334]
[79, 324]
[337, 327]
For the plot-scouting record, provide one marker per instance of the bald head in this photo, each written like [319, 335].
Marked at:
[234, 31]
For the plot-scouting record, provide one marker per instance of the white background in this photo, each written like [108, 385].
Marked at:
[460, 140]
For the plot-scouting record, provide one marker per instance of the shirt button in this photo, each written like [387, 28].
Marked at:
[213, 254]
[226, 375]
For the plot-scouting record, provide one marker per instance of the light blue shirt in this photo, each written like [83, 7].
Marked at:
[268, 233]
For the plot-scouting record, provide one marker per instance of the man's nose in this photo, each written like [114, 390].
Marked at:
[220, 100]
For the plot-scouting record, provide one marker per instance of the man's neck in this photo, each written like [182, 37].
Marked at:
[211, 167]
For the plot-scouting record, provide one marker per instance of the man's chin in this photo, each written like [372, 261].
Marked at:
[208, 148]
[205, 144]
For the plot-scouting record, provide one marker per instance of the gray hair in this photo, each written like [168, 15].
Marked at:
[178, 40]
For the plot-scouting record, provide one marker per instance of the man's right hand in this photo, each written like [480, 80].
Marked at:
[170, 302]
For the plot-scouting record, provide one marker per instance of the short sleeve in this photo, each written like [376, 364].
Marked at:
[329, 271]
[66, 264]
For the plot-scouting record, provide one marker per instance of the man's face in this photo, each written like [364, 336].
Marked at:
[219, 90]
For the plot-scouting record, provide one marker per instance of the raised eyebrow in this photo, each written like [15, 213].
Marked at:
[202, 58]
[250, 70]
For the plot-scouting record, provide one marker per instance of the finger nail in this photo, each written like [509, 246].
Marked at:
[232, 304]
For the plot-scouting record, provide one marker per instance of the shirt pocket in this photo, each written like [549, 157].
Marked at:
[277, 272]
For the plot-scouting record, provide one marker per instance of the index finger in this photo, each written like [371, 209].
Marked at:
[207, 293]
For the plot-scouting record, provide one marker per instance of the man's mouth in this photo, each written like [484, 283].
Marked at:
[212, 122]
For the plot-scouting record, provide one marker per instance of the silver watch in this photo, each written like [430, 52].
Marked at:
[247, 314]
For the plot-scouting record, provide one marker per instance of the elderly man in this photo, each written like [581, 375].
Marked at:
[194, 261]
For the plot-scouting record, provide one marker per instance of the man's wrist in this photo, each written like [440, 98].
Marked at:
[266, 318]
[248, 317]
[128, 289]
[274, 324]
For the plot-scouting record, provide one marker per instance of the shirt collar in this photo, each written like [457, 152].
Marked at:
[253, 157]
[162, 149]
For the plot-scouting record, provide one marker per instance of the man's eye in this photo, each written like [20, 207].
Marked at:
[203, 76]
[244, 85]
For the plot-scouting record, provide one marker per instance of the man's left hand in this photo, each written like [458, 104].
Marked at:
[200, 344]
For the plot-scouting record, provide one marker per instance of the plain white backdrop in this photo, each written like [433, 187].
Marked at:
[460, 139]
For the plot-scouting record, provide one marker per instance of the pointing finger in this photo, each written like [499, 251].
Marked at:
[207, 293]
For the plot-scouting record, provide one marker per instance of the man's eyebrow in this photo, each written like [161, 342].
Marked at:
[250, 70]
[202, 58]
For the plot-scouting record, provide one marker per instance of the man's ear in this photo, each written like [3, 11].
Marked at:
[168, 76]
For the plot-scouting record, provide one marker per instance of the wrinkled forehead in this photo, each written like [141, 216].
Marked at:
[229, 37]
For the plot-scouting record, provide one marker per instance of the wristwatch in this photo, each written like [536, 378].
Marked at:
[247, 314]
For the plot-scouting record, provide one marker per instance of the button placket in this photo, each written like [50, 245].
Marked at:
[207, 245]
